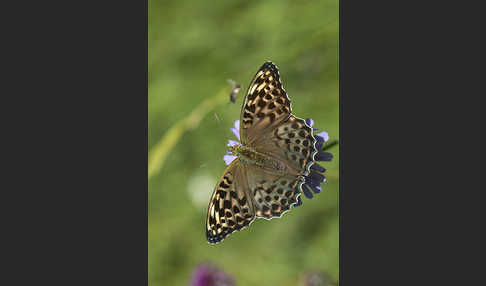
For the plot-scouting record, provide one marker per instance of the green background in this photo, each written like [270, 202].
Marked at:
[194, 47]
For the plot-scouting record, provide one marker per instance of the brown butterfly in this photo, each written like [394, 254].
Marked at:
[270, 166]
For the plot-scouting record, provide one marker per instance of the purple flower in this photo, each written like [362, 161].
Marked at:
[236, 129]
[315, 178]
[228, 157]
[207, 275]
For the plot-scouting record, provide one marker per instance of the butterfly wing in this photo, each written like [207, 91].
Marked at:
[267, 124]
[266, 104]
[292, 142]
[230, 207]
[272, 193]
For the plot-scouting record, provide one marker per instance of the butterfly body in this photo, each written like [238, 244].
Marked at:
[269, 167]
[250, 156]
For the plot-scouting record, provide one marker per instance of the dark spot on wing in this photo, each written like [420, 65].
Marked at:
[222, 194]
[272, 117]
[227, 204]
[223, 185]
[261, 104]
[242, 201]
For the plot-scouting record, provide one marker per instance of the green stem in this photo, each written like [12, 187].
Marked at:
[161, 149]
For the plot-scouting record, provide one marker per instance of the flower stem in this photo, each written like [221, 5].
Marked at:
[161, 149]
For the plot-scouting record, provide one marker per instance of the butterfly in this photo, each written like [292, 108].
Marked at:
[276, 153]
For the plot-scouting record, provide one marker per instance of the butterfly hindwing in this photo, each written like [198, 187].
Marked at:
[266, 104]
[230, 207]
[273, 193]
[292, 142]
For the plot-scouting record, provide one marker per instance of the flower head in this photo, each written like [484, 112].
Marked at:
[315, 178]
[207, 275]
[228, 157]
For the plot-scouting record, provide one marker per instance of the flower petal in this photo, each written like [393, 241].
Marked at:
[236, 132]
[236, 129]
[318, 168]
[306, 191]
[323, 156]
[316, 189]
[322, 135]
[316, 178]
[233, 143]
[228, 159]
[309, 122]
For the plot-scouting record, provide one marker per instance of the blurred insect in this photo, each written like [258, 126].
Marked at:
[271, 165]
[235, 89]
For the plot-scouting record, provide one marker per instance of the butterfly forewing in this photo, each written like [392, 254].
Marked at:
[266, 104]
[230, 207]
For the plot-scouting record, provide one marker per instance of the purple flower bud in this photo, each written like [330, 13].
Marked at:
[207, 275]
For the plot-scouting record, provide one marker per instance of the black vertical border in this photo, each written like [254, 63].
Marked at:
[78, 127]
[404, 79]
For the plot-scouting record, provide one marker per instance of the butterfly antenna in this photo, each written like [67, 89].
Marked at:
[212, 161]
[235, 89]
[330, 145]
[220, 126]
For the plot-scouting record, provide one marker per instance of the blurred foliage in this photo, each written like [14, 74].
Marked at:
[194, 48]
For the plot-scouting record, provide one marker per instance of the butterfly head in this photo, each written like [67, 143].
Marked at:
[234, 150]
